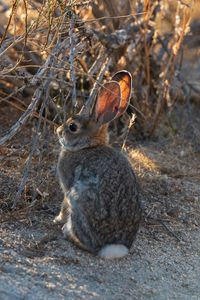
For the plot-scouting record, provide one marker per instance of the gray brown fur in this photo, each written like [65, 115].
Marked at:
[101, 196]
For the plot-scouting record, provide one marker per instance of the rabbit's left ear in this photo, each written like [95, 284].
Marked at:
[108, 101]
[124, 80]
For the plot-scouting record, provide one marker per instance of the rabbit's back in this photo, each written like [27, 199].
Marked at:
[104, 168]
[103, 194]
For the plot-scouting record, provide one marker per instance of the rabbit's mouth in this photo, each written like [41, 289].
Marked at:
[73, 146]
[65, 145]
[62, 142]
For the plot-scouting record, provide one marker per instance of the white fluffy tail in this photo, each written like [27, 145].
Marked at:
[113, 251]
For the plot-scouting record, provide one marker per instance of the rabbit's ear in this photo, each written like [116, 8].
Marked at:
[108, 101]
[124, 80]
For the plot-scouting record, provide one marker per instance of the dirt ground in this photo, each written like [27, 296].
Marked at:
[37, 263]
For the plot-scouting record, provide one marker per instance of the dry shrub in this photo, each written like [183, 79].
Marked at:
[55, 54]
[60, 51]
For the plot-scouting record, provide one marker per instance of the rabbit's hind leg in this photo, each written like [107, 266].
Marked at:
[69, 234]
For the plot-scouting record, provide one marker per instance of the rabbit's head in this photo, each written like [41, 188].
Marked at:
[89, 128]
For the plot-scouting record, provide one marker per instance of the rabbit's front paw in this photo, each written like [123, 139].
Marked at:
[59, 219]
[67, 229]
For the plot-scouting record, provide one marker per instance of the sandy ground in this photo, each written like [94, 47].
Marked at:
[164, 263]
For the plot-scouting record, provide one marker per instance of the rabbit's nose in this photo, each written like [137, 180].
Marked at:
[59, 130]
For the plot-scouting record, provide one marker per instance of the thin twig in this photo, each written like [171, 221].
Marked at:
[170, 231]
[24, 108]
[14, 6]
[71, 60]
[33, 147]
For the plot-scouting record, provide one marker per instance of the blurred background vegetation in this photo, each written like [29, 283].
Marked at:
[55, 54]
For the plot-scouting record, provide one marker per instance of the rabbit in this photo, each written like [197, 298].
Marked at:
[101, 210]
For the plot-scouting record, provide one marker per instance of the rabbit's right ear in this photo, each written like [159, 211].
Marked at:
[124, 80]
[108, 102]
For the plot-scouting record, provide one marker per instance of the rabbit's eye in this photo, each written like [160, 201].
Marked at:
[73, 127]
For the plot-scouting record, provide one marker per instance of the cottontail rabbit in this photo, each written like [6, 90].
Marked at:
[101, 209]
